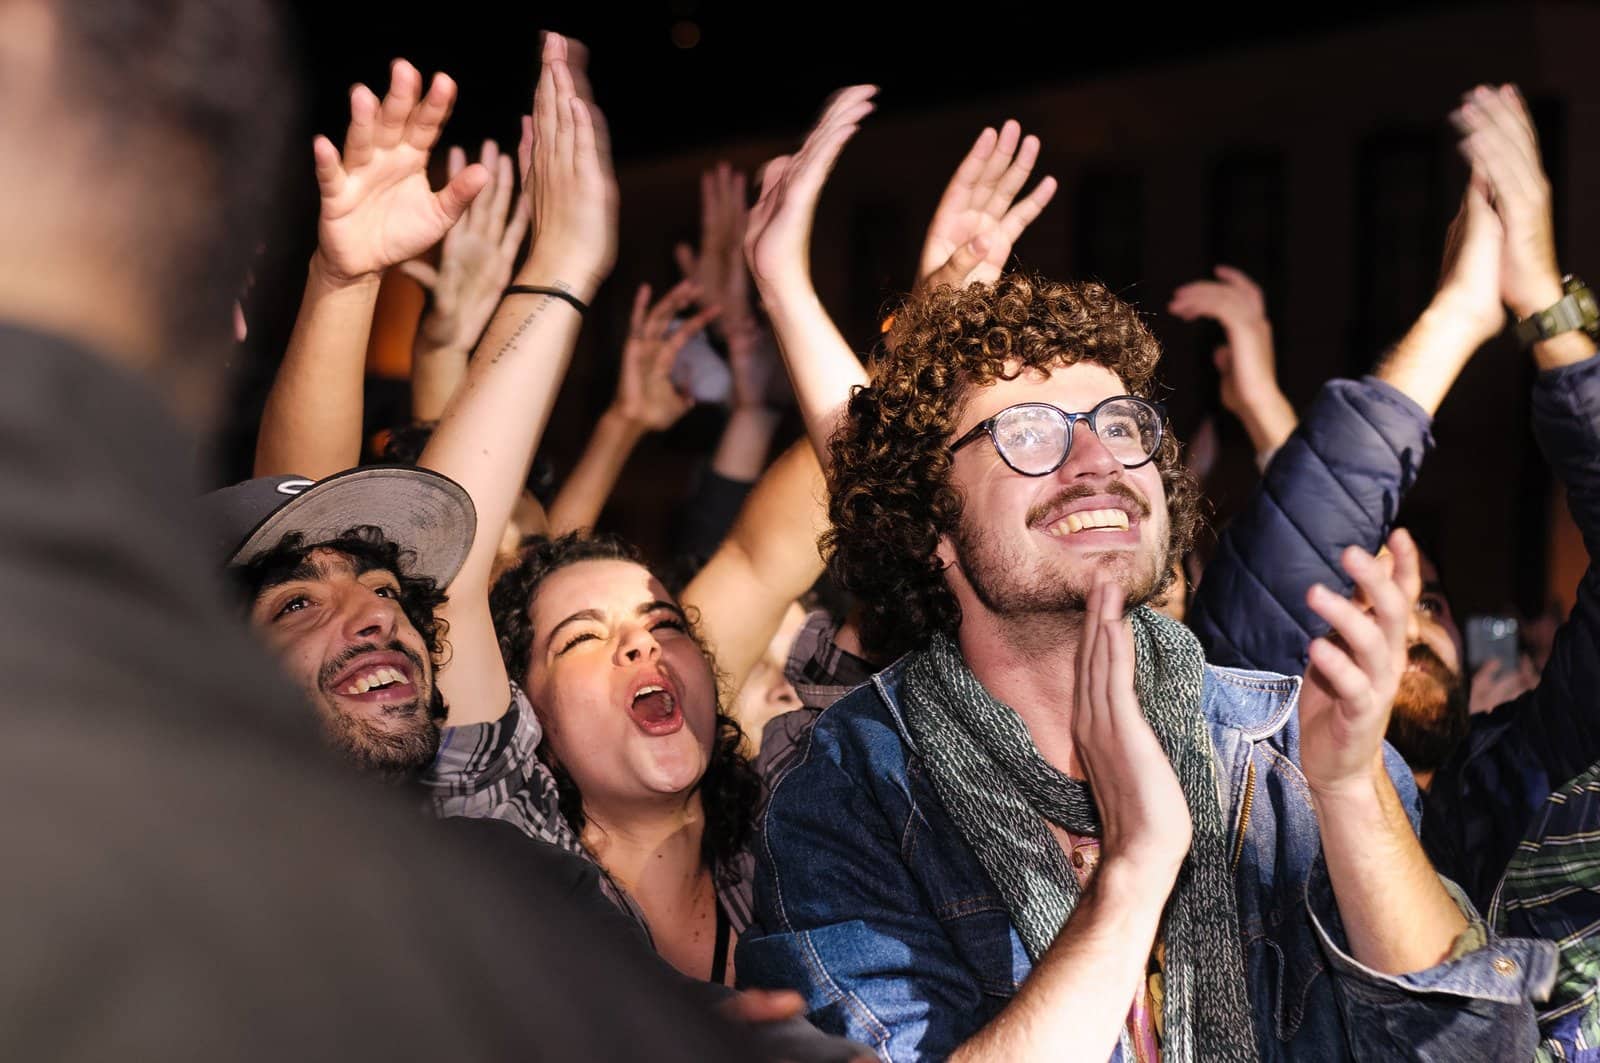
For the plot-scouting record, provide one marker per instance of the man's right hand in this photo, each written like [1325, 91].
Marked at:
[377, 207]
[1143, 813]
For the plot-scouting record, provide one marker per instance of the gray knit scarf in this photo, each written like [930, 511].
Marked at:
[1000, 792]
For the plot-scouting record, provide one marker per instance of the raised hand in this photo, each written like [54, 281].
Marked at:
[777, 243]
[1355, 672]
[979, 217]
[1142, 808]
[570, 185]
[1246, 361]
[718, 266]
[646, 396]
[1470, 277]
[377, 207]
[476, 257]
[1498, 139]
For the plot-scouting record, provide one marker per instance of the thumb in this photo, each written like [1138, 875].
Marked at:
[420, 272]
[455, 197]
[685, 257]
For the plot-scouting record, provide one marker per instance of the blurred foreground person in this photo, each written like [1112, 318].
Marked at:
[189, 875]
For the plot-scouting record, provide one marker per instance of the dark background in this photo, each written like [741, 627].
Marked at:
[1155, 188]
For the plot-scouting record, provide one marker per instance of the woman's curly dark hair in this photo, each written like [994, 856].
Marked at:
[730, 788]
[370, 549]
[892, 498]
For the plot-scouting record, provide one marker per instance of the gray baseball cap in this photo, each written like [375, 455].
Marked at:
[429, 515]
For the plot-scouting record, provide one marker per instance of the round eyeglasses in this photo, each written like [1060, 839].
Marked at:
[1034, 438]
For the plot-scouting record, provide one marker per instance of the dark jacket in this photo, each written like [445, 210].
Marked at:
[1339, 480]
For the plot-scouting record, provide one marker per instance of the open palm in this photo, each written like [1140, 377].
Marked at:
[377, 207]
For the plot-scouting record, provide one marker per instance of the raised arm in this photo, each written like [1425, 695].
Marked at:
[377, 210]
[646, 401]
[1246, 361]
[486, 439]
[475, 262]
[1341, 475]
[821, 366]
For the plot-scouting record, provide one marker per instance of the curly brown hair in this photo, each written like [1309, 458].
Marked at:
[892, 498]
[730, 788]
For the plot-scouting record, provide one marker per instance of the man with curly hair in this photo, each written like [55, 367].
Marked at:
[1051, 828]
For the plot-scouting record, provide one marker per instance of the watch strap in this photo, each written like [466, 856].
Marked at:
[1576, 310]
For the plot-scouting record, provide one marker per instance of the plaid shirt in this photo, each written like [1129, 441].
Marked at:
[1552, 890]
[493, 771]
[821, 674]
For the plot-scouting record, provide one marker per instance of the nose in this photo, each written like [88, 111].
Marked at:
[638, 643]
[1414, 624]
[1088, 456]
[368, 616]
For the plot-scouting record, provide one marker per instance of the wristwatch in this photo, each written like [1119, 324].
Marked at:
[1577, 309]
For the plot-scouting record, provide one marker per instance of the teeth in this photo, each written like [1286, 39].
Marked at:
[1089, 519]
[378, 678]
[642, 691]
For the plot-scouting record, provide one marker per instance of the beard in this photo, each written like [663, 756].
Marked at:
[406, 740]
[1430, 711]
[1009, 583]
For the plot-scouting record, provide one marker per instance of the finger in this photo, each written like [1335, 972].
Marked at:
[1390, 607]
[687, 330]
[566, 127]
[1489, 671]
[1024, 212]
[1500, 113]
[427, 119]
[360, 138]
[1241, 283]
[708, 207]
[958, 194]
[525, 150]
[1349, 684]
[994, 168]
[544, 101]
[455, 161]
[405, 83]
[586, 143]
[499, 207]
[684, 256]
[1407, 565]
[962, 262]
[330, 174]
[1363, 634]
[677, 298]
[1085, 662]
[1015, 176]
[420, 272]
[1512, 96]
[1508, 170]
[641, 304]
[454, 198]
[517, 229]
[478, 218]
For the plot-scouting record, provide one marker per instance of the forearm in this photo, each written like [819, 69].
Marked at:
[746, 440]
[578, 504]
[486, 439]
[1269, 420]
[437, 370]
[1079, 994]
[311, 425]
[1426, 362]
[1397, 915]
[822, 368]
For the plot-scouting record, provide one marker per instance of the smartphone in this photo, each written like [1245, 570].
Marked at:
[1492, 638]
[699, 370]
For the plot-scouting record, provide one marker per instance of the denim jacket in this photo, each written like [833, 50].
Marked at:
[871, 904]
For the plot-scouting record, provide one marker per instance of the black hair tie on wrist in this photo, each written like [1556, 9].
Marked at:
[533, 289]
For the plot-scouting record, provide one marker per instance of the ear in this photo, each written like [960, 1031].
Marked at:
[946, 552]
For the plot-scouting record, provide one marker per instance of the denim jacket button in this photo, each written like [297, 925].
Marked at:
[1504, 966]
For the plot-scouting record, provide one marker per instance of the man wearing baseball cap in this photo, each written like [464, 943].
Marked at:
[342, 578]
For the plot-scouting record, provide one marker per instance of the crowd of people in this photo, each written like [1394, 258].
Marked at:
[932, 739]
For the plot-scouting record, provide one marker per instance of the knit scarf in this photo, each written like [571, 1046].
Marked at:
[1000, 792]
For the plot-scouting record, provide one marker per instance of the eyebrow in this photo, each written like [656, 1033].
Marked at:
[596, 615]
[307, 570]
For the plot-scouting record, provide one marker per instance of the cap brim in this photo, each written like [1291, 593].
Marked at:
[429, 515]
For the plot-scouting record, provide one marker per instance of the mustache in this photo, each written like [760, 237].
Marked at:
[1067, 495]
[330, 670]
[1422, 655]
